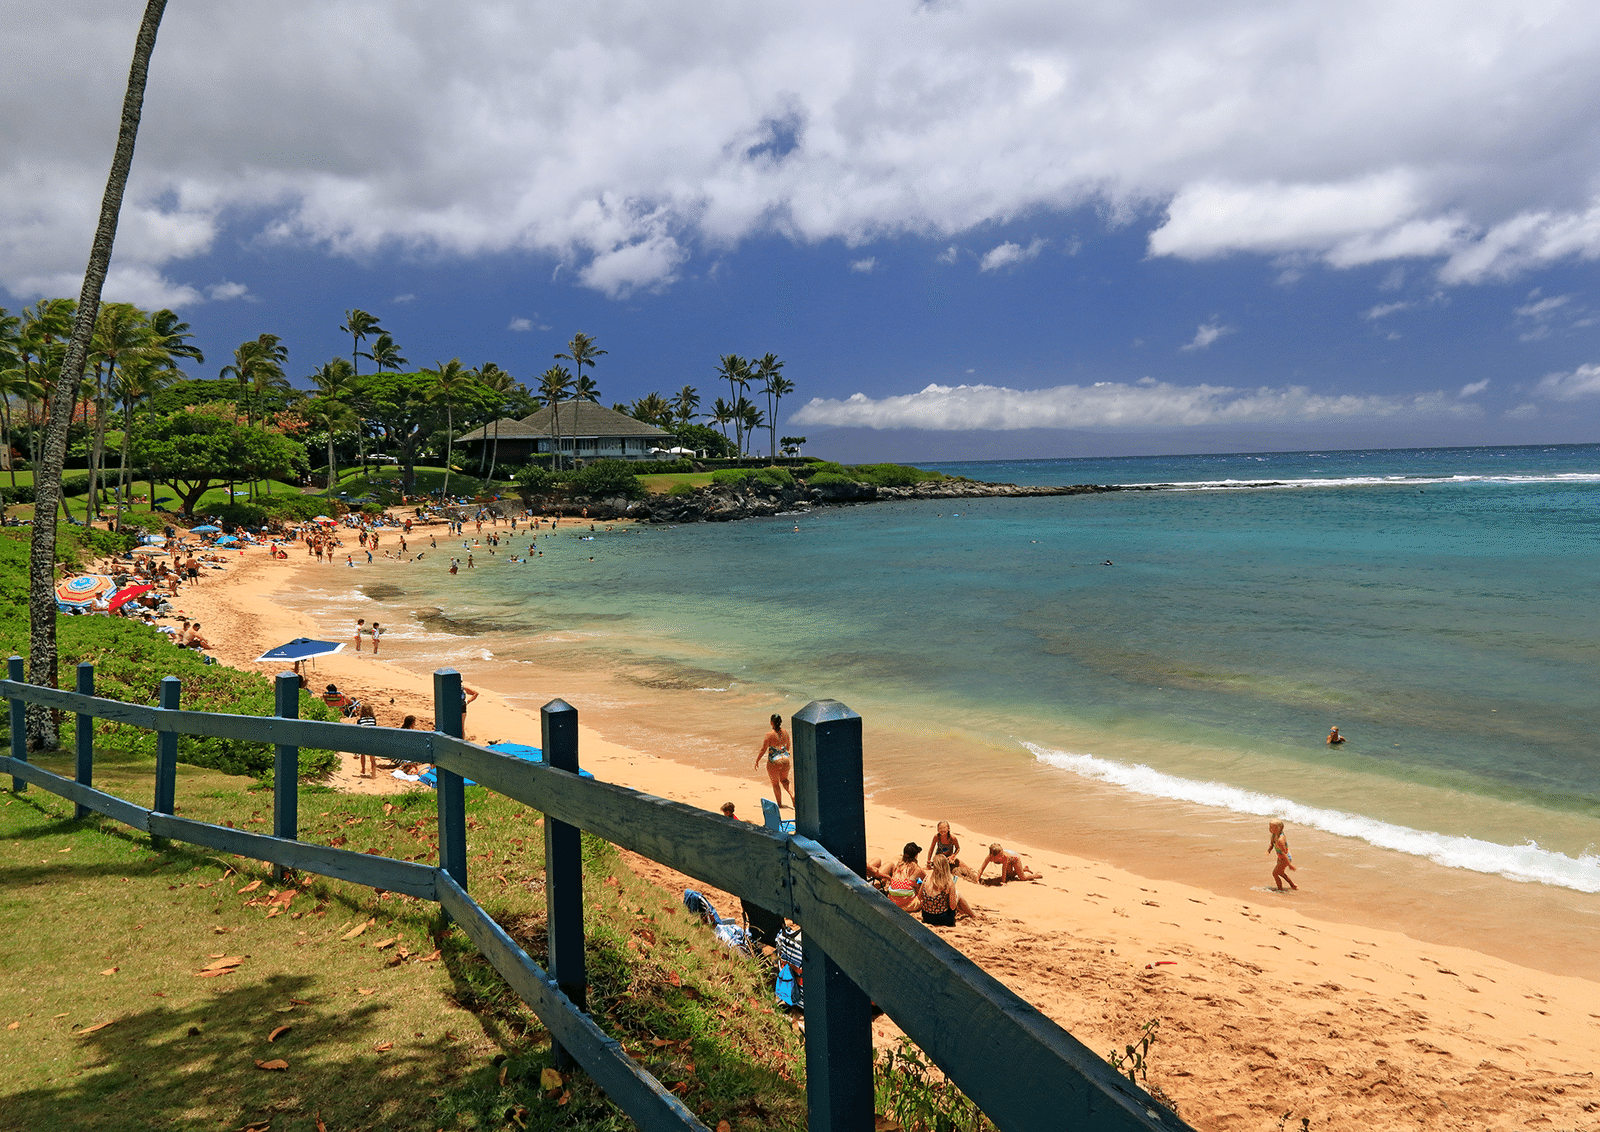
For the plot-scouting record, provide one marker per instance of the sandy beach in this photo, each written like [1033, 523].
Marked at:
[1264, 1009]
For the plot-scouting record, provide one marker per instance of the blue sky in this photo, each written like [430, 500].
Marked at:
[1031, 229]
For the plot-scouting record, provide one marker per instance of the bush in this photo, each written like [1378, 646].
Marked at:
[666, 467]
[74, 486]
[681, 489]
[891, 475]
[821, 467]
[22, 493]
[823, 479]
[533, 479]
[604, 479]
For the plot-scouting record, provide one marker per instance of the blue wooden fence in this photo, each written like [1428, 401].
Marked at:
[1023, 1070]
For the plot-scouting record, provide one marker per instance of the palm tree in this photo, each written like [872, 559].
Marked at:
[736, 372]
[686, 405]
[502, 383]
[748, 415]
[42, 655]
[45, 330]
[172, 335]
[385, 354]
[770, 370]
[14, 382]
[358, 324]
[554, 384]
[721, 415]
[122, 333]
[581, 352]
[584, 389]
[653, 409]
[138, 379]
[332, 415]
[258, 365]
[334, 379]
[451, 378]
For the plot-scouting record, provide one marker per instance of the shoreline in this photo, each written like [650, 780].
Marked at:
[1266, 1007]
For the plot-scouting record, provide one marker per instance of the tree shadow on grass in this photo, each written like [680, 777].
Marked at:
[195, 1066]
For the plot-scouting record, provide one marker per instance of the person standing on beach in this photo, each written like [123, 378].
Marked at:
[361, 628]
[377, 633]
[947, 844]
[775, 746]
[1279, 844]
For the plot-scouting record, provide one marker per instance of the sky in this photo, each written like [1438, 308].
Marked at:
[1018, 228]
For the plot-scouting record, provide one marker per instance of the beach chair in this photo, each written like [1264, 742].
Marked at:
[773, 818]
[790, 986]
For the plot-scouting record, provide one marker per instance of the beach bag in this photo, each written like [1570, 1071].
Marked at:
[790, 986]
[727, 932]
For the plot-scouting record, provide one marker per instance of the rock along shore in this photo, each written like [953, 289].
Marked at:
[723, 503]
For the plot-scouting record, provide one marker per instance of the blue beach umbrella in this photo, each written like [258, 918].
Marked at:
[208, 529]
[301, 648]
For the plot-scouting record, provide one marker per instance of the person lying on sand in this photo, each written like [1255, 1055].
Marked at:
[1010, 864]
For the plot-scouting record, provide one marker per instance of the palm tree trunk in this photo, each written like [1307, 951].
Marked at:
[42, 656]
[494, 452]
[124, 484]
[449, 441]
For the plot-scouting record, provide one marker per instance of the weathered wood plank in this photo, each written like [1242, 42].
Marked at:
[736, 856]
[624, 1080]
[563, 868]
[84, 747]
[359, 868]
[86, 797]
[19, 726]
[984, 1037]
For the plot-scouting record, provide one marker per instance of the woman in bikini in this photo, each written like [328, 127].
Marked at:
[905, 875]
[1279, 844]
[776, 749]
[947, 844]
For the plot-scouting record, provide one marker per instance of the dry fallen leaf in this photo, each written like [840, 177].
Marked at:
[96, 1026]
[278, 1033]
[275, 1063]
[383, 1047]
[549, 1079]
[257, 1126]
[672, 977]
[358, 929]
[111, 970]
[321, 1127]
[387, 809]
[300, 1001]
[14, 1025]
[724, 1126]
[504, 1069]
[430, 958]
[383, 943]
[251, 887]
[223, 966]
[885, 1124]
[366, 990]
[63, 1014]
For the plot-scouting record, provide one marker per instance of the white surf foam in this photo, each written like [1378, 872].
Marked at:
[1526, 862]
[1363, 481]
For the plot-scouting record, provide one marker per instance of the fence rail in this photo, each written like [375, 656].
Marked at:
[1024, 1071]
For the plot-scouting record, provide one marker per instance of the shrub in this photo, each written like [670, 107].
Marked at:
[890, 475]
[533, 479]
[22, 493]
[74, 486]
[817, 467]
[681, 489]
[776, 477]
[823, 479]
[606, 478]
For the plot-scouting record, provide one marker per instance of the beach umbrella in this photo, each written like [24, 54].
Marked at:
[322, 519]
[84, 589]
[208, 529]
[148, 550]
[127, 594]
[225, 539]
[301, 648]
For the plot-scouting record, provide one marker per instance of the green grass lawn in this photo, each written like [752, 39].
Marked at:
[661, 484]
[393, 1020]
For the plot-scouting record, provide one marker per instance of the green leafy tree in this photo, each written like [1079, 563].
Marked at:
[607, 479]
[137, 380]
[582, 351]
[555, 384]
[258, 368]
[703, 438]
[335, 381]
[451, 379]
[206, 447]
[722, 415]
[403, 406]
[748, 418]
[500, 384]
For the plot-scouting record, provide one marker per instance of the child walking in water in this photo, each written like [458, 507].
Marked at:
[776, 749]
[1280, 845]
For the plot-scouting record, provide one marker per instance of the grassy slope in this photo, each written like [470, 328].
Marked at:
[97, 926]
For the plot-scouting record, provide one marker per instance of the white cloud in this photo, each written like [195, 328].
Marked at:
[222, 292]
[1147, 404]
[1474, 388]
[1206, 334]
[949, 255]
[520, 324]
[1542, 312]
[1009, 255]
[619, 141]
[1526, 411]
[407, 298]
[1384, 310]
[863, 266]
[1581, 382]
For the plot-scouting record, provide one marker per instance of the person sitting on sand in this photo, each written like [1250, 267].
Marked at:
[1010, 864]
[940, 900]
[1279, 844]
[727, 812]
[1334, 738]
[775, 746]
[196, 641]
[903, 877]
[337, 699]
[946, 844]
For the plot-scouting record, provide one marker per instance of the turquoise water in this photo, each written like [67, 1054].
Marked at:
[1438, 605]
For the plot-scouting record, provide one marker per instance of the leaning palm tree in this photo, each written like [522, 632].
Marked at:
[332, 416]
[722, 415]
[747, 415]
[385, 354]
[358, 324]
[554, 384]
[451, 378]
[122, 334]
[42, 655]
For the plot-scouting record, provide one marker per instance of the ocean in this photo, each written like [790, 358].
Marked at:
[1115, 671]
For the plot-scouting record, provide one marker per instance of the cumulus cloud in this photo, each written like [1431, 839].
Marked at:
[621, 141]
[222, 292]
[1472, 389]
[520, 324]
[1580, 383]
[1384, 310]
[863, 266]
[1206, 334]
[1009, 255]
[1146, 404]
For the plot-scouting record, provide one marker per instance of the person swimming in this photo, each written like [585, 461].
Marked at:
[1334, 738]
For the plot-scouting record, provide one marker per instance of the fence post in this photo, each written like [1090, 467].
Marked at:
[16, 671]
[286, 767]
[85, 746]
[167, 756]
[447, 711]
[563, 869]
[830, 808]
